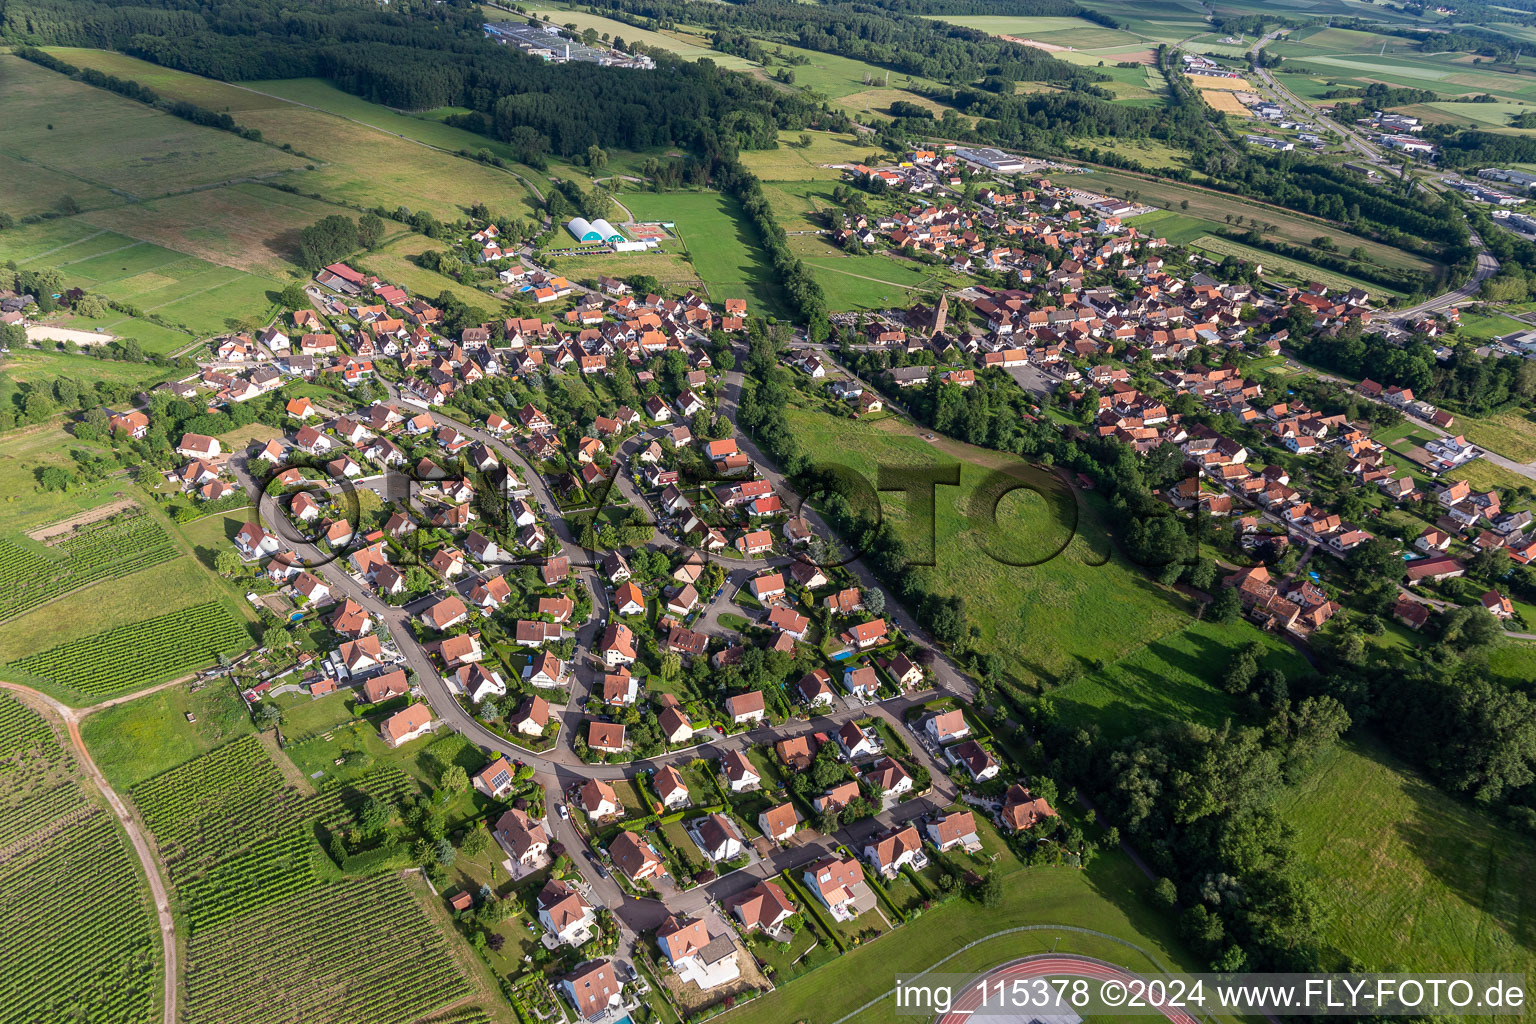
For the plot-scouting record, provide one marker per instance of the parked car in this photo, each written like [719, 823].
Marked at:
[565, 814]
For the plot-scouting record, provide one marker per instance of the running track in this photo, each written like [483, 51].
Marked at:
[1047, 965]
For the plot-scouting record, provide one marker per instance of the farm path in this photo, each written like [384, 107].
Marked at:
[71, 717]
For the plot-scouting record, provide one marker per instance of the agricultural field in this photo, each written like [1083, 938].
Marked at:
[76, 925]
[27, 188]
[248, 227]
[132, 656]
[1410, 878]
[348, 149]
[198, 295]
[367, 161]
[841, 78]
[73, 128]
[32, 572]
[1039, 620]
[722, 246]
[1054, 32]
[238, 843]
[373, 955]
[231, 833]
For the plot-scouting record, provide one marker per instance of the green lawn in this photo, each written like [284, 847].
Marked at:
[1482, 327]
[722, 245]
[1172, 678]
[25, 369]
[1107, 897]
[1038, 619]
[1410, 878]
[142, 738]
[792, 163]
[873, 282]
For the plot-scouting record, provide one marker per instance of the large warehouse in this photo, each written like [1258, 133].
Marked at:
[599, 230]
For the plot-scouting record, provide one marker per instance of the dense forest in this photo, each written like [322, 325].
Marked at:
[431, 57]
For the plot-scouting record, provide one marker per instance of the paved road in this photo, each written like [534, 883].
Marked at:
[71, 717]
[1487, 266]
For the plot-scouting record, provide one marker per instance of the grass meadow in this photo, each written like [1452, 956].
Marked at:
[139, 739]
[1068, 611]
[791, 163]
[1108, 897]
[1213, 208]
[1410, 878]
[116, 143]
[722, 246]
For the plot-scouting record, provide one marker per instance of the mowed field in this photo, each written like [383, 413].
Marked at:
[115, 143]
[792, 163]
[197, 295]
[206, 259]
[1212, 207]
[721, 244]
[1410, 878]
[1040, 619]
[1334, 57]
[875, 281]
[349, 150]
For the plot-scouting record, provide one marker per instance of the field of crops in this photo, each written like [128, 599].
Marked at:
[114, 546]
[360, 950]
[133, 656]
[230, 832]
[76, 934]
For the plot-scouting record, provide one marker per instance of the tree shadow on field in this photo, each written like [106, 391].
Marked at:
[284, 245]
